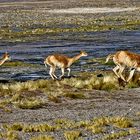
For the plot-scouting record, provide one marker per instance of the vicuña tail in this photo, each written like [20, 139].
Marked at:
[110, 56]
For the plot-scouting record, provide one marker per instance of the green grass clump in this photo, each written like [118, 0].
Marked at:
[71, 124]
[54, 99]
[14, 127]
[133, 131]
[3, 105]
[10, 89]
[109, 87]
[120, 122]
[42, 127]
[85, 81]
[38, 128]
[42, 137]
[9, 135]
[69, 127]
[82, 83]
[75, 95]
[72, 135]
[132, 84]
[29, 104]
[107, 82]
[23, 100]
[65, 123]
[103, 121]
[82, 124]
[96, 129]
[116, 135]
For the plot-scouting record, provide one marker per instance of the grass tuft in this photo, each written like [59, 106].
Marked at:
[54, 99]
[42, 137]
[96, 129]
[9, 135]
[42, 127]
[75, 95]
[120, 122]
[65, 123]
[115, 135]
[72, 135]
[69, 127]
[29, 104]
[133, 131]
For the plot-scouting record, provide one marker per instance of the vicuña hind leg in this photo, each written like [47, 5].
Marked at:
[53, 72]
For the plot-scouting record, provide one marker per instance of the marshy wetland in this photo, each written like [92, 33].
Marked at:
[92, 104]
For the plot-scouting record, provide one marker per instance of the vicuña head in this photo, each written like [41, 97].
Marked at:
[61, 61]
[83, 53]
[124, 59]
[5, 57]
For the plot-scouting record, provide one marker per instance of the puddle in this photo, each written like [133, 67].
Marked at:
[29, 76]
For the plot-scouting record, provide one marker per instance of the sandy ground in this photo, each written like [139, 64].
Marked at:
[91, 10]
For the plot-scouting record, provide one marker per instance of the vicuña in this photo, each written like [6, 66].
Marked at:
[124, 59]
[5, 57]
[61, 61]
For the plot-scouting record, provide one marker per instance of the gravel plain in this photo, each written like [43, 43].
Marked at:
[33, 50]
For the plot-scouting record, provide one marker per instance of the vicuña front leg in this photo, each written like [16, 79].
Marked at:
[69, 70]
[62, 70]
[51, 73]
[131, 75]
[120, 72]
[115, 71]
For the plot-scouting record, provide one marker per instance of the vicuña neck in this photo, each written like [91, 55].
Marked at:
[75, 58]
[2, 61]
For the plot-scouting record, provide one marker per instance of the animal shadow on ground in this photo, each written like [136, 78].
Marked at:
[100, 75]
[121, 82]
[68, 77]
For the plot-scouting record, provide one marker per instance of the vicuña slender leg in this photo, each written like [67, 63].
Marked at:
[62, 69]
[115, 71]
[120, 72]
[51, 72]
[45, 64]
[69, 70]
[131, 75]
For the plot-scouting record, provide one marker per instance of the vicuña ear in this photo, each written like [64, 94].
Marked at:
[6, 53]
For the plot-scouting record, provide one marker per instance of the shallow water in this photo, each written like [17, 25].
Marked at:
[97, 44]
